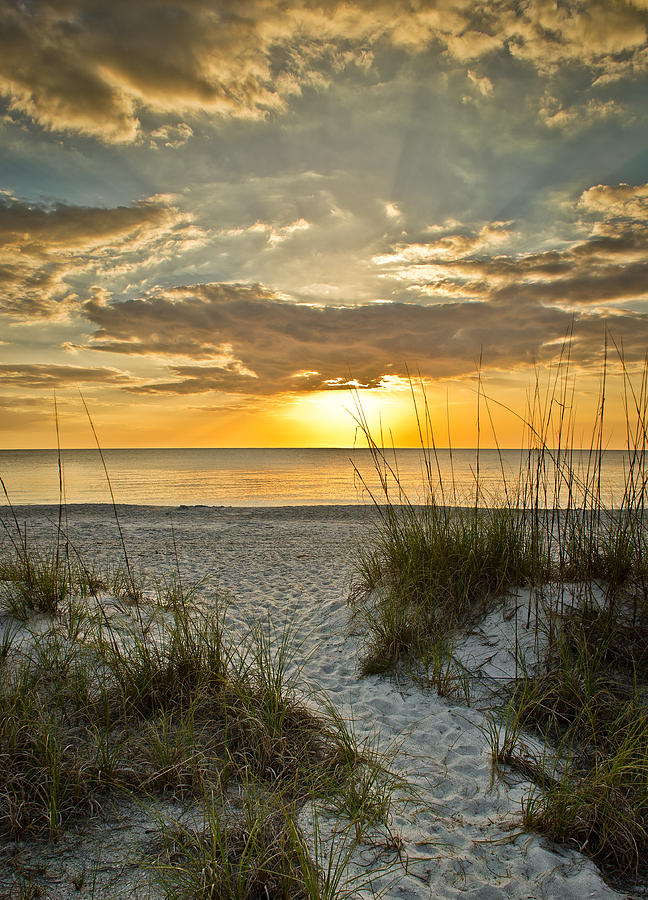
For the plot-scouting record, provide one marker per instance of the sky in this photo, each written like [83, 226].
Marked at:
[231, 223]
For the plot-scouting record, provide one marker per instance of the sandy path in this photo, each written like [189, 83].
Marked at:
[295, 564]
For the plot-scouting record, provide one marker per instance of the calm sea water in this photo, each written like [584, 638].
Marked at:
[258, 477]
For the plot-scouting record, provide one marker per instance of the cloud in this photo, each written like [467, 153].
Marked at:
[33, 375]
[599, 33]
[577, 117]
[472, 292]
[171, 136]
[627, 201]
[455, 243]
[99, 69]
[46, 252]
[246, 339]
[608, 266]
[483, 84]
[272, 233]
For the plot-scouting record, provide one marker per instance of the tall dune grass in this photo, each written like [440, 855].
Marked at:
[428, 567]
[430, 570]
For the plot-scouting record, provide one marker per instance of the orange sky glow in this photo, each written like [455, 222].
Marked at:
[212, 224]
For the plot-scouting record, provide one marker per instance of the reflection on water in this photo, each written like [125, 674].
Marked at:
[274, 477]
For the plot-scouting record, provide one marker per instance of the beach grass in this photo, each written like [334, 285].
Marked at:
[103, 701]
[430, 571]
[588, 701]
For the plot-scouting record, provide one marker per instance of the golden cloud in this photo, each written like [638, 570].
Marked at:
[608, 266]
[628, 201]
[456, 243]
[94, 68]
[43, 248]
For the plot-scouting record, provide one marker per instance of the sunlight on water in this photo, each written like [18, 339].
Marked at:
[276, 477]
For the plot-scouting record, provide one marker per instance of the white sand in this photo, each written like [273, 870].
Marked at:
[460, 838]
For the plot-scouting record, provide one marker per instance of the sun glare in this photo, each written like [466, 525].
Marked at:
[331, 418]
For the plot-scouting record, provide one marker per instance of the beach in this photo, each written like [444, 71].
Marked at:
[460, 835]
[323, 450]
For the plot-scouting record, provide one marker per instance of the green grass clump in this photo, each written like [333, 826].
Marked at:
[430, 571]
[252, 847]
[158, 702]
[34, 582]
[426, 573]
[589, 703]
[245, 850]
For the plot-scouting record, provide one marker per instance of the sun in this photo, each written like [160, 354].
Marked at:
[334, 418]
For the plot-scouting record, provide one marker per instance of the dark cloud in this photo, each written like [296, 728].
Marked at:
[38, 228]
[246, 339]
[44, 250]
[33, 375]
[96, 68]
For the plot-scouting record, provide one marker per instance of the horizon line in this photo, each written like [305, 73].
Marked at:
[385, 449]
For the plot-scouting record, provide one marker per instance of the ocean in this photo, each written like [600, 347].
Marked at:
[269, 477]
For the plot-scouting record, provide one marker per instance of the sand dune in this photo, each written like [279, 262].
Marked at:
[462, 835]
